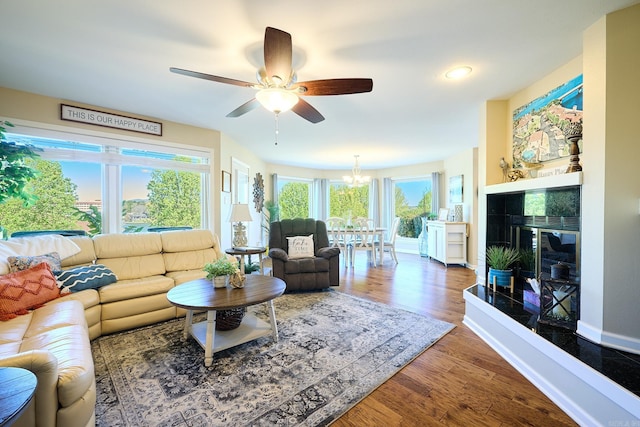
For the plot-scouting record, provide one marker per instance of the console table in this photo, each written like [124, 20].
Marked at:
[447, 242]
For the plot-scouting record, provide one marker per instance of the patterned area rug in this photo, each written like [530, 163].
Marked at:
[333, 350]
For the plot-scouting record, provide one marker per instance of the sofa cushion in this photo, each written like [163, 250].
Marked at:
[80, 278]
[26, 289]
[300, 247]
[127, 289]
[126, 245]
[24, 262]
[189, 260]
[187, 240]
[86, 256]
[135, 267]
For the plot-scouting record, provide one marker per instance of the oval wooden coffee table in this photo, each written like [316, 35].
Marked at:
[17, 386]
[199, 295]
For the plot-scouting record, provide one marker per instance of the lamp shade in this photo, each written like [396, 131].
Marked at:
[276, 99]
[240, 213]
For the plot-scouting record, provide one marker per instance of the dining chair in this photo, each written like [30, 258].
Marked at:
[390, 244]
[335, 229]
[364, 240]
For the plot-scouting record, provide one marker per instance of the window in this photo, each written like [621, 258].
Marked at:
[348, 202]
[294, 197]
[106, 185]
[412, 202]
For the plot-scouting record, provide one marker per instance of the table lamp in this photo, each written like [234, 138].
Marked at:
[239, 214]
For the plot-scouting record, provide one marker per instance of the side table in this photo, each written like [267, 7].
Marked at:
[248, 250]
[17, 387]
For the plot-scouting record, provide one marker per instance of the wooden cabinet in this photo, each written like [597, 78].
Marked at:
[447, 242]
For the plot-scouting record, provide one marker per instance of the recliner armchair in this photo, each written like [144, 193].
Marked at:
[304, 274]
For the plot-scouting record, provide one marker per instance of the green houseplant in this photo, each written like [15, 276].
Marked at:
[220, 270]
[500, 260]
[527, 262]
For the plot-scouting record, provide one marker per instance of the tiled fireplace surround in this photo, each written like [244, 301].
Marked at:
[593, 384]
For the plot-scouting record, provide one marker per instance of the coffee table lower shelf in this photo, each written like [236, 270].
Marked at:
[250, 329]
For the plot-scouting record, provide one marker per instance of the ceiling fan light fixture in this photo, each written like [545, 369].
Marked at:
[276, 99]
[458, 72]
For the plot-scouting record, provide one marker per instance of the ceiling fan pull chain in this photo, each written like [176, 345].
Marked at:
[277, 128]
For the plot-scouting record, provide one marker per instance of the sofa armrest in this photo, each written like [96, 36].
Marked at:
[45, 367]
[328, 252]
[277, 253]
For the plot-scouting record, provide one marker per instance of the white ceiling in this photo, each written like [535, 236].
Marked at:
[117, 53]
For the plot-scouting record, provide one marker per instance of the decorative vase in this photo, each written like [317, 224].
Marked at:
[422, 238]
[502, 277]
[220, 281]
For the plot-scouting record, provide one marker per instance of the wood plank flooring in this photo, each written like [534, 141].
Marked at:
[459, 381]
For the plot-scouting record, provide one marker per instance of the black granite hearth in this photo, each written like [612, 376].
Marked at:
[619, 366]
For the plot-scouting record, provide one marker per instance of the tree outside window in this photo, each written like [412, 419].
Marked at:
[412, 203]
[293, 199]
[348, 202]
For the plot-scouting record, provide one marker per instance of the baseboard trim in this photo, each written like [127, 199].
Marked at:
[587, 396]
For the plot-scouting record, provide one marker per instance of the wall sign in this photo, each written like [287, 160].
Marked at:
[100, 118]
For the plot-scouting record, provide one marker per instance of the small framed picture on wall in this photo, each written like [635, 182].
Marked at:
[455, 189]
[226, 182]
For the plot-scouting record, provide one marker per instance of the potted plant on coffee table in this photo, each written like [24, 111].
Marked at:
[220, 270]
[500, 260]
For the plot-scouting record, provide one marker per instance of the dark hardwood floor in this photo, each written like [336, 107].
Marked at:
[460, 380]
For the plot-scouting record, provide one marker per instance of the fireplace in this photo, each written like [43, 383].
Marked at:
[545, 221]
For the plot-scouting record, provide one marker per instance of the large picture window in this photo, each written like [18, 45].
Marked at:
[348, 202]
[107, 186]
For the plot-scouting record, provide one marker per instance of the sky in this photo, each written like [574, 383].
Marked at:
[135, 179]
[87, 177]
[414, 190]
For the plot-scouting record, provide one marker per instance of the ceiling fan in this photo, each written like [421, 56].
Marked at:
[278, 90]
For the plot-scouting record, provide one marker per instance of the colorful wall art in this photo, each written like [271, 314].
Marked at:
[538, 126]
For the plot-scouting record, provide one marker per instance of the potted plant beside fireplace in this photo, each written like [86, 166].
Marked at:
[501, 260]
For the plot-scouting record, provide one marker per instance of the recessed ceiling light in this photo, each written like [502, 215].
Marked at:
[458, 72]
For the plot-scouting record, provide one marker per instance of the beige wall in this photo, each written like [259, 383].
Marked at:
[611, 190]
[465, 163]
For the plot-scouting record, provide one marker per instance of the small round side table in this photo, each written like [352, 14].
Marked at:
[248, 250]
[17, 387]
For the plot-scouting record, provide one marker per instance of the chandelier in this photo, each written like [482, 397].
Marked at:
[356, 179]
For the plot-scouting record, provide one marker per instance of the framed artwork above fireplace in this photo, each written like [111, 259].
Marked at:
[538, 135]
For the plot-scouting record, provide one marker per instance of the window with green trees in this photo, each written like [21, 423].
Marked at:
[294, 198]
[348, 202]
[141, 186]
[412, 203]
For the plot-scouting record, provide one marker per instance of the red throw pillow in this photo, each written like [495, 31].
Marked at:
[26, 290]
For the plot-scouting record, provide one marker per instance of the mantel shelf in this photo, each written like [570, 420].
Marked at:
[553, 181]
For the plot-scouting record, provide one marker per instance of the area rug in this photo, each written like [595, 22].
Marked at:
[333, 350]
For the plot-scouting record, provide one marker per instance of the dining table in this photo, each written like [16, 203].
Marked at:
[352, 233]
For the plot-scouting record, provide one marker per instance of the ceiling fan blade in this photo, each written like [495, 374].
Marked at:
[307, 112]
[244, 108]
[213, 78]
[334, 86]
[277, 54]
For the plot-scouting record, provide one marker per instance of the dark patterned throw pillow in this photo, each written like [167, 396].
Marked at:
[22, 262]
[80, 278]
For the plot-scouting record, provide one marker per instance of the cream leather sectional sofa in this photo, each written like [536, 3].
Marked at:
[54, 341]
